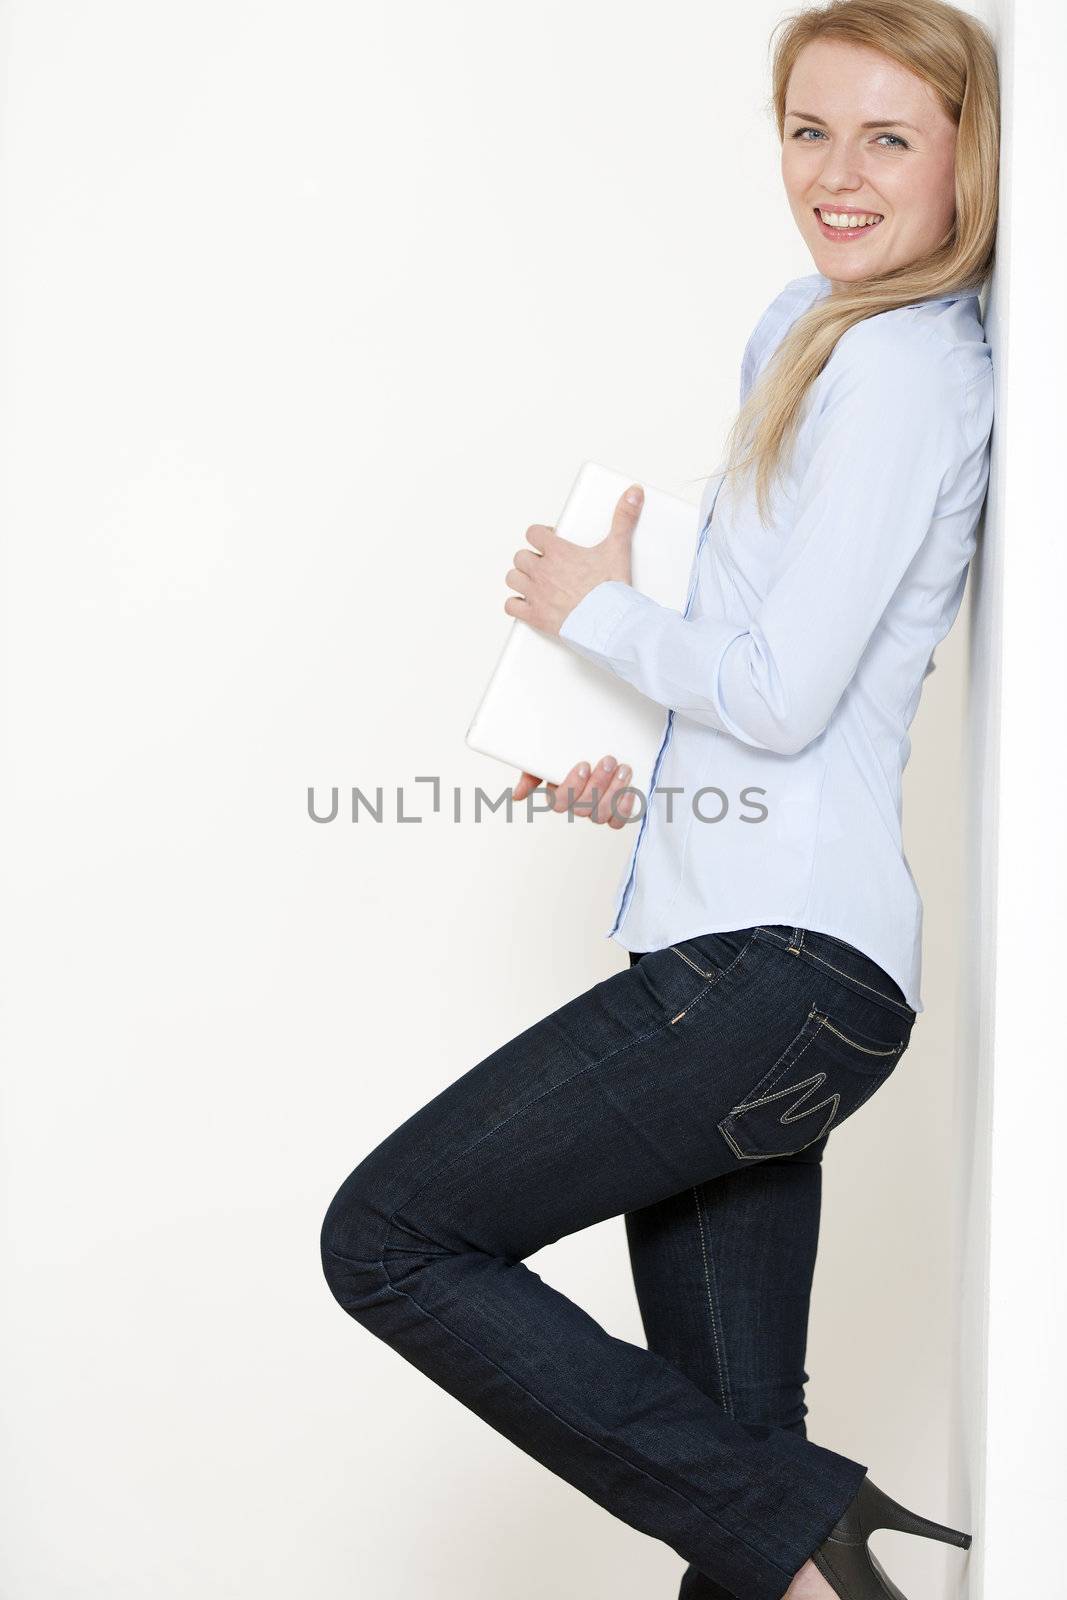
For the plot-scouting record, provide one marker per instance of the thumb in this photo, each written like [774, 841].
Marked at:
[627, 512]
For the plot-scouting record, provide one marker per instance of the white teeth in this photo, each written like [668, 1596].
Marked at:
[845, 219]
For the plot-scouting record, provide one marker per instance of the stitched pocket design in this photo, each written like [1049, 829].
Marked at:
[822, 1076]
[711, 957]
[680, 951]
[680, 975]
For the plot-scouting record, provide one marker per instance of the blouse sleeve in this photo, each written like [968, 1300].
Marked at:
[888, 438]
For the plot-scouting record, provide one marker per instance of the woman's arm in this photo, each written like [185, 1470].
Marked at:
[897, 427]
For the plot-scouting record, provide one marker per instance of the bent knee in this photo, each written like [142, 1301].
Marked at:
[351, 1242]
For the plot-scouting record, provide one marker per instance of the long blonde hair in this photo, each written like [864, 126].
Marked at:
[955, 55]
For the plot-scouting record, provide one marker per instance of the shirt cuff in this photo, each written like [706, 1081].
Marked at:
[588, 626]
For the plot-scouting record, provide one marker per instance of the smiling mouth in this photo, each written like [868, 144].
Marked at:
[845, 225]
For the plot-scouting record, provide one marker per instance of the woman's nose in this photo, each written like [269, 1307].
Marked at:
[842, 169]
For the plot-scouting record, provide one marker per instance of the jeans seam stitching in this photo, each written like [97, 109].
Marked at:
[777, 1070]
[887, 998]
[683, 957]
[886, 1050]
[713, 977]
[713, 1309]
[591, 1066]
[768, 1082]
[802, 950]
[634, 1466]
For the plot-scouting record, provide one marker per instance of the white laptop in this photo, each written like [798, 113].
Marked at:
[546, 707]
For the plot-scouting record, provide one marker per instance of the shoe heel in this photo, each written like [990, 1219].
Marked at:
[888, 1513]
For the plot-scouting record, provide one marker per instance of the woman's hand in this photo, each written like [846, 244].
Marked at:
[577, 790]
[553, 576]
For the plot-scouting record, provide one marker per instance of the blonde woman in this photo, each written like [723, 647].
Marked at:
[774, 967]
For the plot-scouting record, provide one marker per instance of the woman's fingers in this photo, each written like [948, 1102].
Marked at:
[526, 785]
[617, 810]
[595, 798]
[573, 782]
[568, 792]
[604, 785]
[589, 792]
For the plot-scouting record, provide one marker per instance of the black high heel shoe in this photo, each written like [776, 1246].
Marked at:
[843, 1558]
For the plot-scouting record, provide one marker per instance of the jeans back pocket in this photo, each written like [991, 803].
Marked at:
[823, 1075]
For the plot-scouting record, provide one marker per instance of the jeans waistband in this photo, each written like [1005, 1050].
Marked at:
[840, 957]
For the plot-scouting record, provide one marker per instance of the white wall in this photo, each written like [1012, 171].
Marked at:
[307, 313]
[1012, 1213]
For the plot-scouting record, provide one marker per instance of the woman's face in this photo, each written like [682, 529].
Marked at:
[900, 170]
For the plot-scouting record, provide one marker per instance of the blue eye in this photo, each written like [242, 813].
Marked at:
[900, 143]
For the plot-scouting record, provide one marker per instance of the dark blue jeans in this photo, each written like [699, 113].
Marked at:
[693, 1093]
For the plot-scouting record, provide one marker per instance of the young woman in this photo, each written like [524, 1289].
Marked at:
[774, 964]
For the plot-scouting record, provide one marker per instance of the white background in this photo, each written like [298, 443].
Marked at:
[307, 313]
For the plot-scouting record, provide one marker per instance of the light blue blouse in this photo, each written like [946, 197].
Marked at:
[793, 674]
